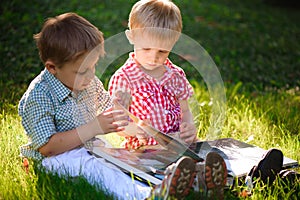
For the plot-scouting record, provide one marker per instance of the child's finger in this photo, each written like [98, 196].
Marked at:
[110, 112]
[183, 127]
[141, 135]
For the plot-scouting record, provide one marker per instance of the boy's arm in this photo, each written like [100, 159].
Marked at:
[106, 122]
[119, 89]
[61, 142]
[187, 127]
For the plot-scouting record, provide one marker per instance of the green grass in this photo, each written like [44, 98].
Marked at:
[249, 119]
[254, 45]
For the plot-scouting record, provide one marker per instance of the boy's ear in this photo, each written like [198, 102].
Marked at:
[129, 36]
[51, 67]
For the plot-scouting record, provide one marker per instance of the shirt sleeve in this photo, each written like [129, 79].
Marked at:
[119, 82]
[184, 88]
[37, 114]
[103, 97]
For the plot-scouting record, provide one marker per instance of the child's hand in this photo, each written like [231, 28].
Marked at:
[187, 132]
[141, 135]
[131, 130]
[112, 121]
[124, 98]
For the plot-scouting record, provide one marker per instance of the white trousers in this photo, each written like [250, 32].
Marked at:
[97, 171]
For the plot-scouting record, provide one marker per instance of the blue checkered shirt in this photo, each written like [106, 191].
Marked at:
[49, 107]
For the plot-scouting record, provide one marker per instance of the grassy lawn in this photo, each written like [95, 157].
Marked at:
[254, 45]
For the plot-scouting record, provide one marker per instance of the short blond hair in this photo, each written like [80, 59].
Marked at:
[162, 14]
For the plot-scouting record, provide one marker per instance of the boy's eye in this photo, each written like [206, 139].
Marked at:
[160, 51]
[82, 73]
[163, 51]
[86, 71]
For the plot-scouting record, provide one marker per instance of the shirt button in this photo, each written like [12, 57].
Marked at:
[166, 111]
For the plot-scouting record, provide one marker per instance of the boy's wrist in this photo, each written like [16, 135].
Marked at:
[89, 130]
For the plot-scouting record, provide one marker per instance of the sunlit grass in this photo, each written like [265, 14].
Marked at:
[248, 118]
[36, 184]
[15, 183]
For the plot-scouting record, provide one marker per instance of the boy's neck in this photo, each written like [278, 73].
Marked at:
[157, 73]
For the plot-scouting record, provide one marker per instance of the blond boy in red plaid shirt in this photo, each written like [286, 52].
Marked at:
[149, 84]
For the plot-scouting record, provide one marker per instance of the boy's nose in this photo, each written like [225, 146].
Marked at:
[154, 57]
[90, 74]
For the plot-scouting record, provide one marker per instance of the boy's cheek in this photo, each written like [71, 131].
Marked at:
[78, 83]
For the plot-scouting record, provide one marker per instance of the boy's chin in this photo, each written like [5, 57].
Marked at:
[83, 86]
[151, 67]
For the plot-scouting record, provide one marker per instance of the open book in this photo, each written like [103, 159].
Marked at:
[148, 163]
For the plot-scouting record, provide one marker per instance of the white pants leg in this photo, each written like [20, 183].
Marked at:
[79, 162]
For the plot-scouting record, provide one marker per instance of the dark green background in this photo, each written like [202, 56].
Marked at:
[251, 42]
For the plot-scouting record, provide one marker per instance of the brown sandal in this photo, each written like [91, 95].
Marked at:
[215, 176]
[179, 178]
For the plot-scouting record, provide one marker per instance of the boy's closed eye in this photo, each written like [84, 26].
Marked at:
[160, 51]
[85, 71]
[82, 73]
[163, 51]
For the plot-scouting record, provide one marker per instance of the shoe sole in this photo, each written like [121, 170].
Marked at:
[270, 165]
[182, 178]
[215, 176]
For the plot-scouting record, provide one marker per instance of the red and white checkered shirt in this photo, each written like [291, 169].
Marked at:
[153, 100]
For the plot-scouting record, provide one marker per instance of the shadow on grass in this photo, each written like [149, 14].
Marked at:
[53, 186]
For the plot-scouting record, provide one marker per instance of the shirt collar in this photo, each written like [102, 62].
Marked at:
[57, 86]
